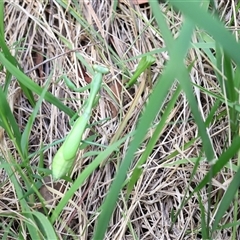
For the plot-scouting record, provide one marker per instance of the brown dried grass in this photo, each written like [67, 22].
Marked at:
[32, 32]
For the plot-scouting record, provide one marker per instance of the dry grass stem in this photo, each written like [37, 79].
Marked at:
[45, 38]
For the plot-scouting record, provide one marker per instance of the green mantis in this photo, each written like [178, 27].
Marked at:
[65, 156]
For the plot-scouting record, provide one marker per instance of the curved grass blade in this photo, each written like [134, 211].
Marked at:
[26, 81]
[9, 56]
[45, 225]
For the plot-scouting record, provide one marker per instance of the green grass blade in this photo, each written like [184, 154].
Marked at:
[229, 225]
[231, 93]
[25, 80]
[167, 35]
[227, 199]
[155, 101]
[8, 122]
[1, 19]
[185, 80]
[215, 28]
[219, 97]
[220, 163]
[210, 117]
[138, 168]
[45, 225]
[205, 228]
[24, 206]
[219, 64]
[144, 63]
[228, 72]
[27, 130]
[114, 9]
[11, 59]
[186, 86]
[236, 78]
[7, 230]
[185, 199]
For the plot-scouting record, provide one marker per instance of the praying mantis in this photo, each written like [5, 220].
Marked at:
[66, 154]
